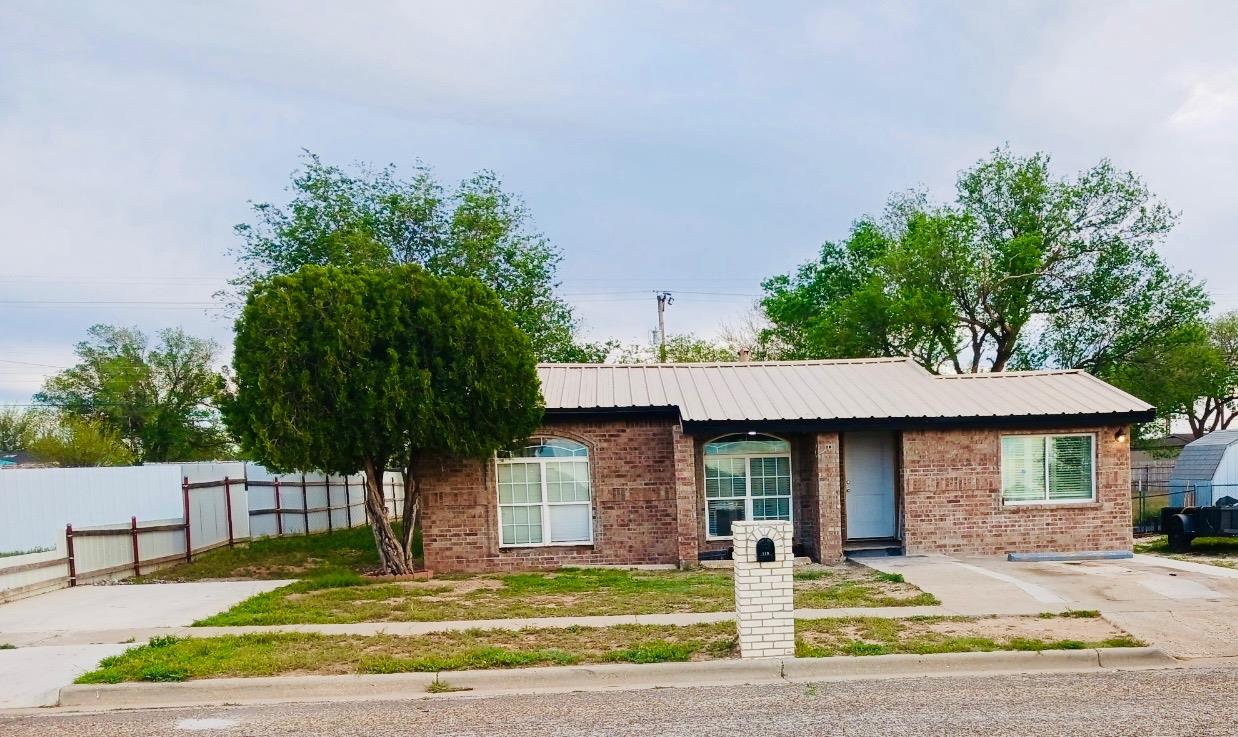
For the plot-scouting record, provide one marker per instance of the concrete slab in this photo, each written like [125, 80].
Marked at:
[34, 676]
[966, 588]
[85, 608]
[1186, 608]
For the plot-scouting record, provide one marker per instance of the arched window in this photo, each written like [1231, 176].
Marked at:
[545, 497]
[747, 477]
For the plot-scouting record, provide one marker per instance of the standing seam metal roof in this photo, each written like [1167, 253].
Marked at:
[876, 388]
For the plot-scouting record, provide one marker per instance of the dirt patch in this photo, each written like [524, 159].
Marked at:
[457, 587]
[1031, 628]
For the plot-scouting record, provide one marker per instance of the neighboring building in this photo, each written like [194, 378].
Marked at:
[1206, 471]
[1159, 452]
[650, 464]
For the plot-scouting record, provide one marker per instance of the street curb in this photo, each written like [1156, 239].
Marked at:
[289, 689]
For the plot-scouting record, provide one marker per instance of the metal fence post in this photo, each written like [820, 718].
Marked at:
[68, 542]
[304, 505]
[327, 486]
[228, 508]
[279, 513]
[133, 535]
[188, 533]
[347, 502]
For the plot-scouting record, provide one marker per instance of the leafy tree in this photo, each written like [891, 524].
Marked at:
[68, 440]
[1022, 269]
[375, 217]
[352, 369]
[1191, 374]
[161, 400]
[679, 349]
[17, 428]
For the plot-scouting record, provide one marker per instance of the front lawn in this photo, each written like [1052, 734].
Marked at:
[341, 598]
[1217, 551]
[294, 556]
[177, 659]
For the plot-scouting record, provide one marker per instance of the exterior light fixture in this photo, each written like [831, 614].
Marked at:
[1120, 435]
[752, 432]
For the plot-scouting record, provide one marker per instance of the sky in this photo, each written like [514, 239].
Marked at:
[693, 147]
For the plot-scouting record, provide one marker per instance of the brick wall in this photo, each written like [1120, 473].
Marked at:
[952, 498]
[632, 462]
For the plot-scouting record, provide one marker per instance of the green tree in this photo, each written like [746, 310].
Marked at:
[1023, 269]
[17, 428]
[68, 440]
[351, 369]
[373, 217]
[1191, 374]
[679, 349]
[161, 400]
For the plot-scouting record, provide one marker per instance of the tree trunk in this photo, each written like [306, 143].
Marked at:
[412, 509]
[391, 556]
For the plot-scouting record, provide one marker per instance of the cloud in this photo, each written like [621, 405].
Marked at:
[1210, 109]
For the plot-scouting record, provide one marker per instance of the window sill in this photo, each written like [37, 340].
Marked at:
[1090, 504]
[526, 546]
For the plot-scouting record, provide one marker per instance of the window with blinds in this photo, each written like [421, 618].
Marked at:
[1039, 469]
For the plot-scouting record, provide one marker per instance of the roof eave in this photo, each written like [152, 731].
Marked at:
[923, 423]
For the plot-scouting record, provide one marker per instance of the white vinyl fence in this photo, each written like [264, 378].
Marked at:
[61, 527]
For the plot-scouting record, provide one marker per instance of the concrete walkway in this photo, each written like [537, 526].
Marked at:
[64, 625]
[141, 634]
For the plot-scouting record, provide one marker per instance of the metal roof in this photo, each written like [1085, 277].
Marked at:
[848, 389]
[1200, 459]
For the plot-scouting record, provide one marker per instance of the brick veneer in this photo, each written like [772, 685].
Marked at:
[634, 503]
[952, 498]
[648, 500]
[829, 493]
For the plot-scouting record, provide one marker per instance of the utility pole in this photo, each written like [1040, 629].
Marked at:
[664, 299]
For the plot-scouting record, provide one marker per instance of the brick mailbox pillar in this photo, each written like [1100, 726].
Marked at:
[764, 599]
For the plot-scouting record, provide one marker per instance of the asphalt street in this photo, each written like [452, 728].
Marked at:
[1188, 701]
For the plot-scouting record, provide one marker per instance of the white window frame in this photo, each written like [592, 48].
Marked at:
[545, 504]
[747, 497]
[1045, 438]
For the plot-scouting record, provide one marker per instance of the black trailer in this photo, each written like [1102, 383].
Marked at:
[1184, 524]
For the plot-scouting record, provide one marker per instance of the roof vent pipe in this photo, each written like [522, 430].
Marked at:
[744, 354]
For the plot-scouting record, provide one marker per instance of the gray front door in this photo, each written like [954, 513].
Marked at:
[868, 467]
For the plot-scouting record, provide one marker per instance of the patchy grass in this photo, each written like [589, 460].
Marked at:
[335, 598]
[294, 556]
[7, 646]
[851, 585]
[568, 592]
[1217, 551]
[289, 653]
[301, 653]
[817, 638]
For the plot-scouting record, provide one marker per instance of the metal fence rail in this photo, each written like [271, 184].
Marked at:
[1152, 490]
[214, 512]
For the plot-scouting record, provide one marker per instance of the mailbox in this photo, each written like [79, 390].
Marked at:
[765, 550]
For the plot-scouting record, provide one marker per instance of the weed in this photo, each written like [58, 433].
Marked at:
[162, 673]
[440, 686]
[7, 646]
[890, 577]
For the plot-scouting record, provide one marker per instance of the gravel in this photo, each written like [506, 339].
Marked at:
[1161, 702]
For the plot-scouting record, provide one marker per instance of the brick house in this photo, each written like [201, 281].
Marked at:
[650, 465]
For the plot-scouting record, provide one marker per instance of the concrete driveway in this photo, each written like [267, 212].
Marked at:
[1186, 608]
[33, 673]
